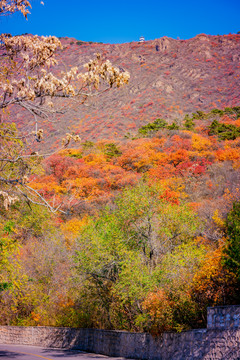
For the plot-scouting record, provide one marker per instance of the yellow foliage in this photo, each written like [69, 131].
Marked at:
[84, 187]
[200, 143]
[70, 152]
[93, 159]
[218, 220]
[155, 143]
[72, 227]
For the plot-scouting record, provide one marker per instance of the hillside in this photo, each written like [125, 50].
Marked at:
[169, 78]
[137, 226]
[147, 237]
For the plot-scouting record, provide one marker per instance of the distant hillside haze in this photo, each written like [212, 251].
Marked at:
[169, 78]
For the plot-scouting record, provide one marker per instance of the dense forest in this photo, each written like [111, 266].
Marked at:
[136, 226]
[147, 235]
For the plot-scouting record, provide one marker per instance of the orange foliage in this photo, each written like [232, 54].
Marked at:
[212, 284]
[237, 122]
[228, 154]
[170, 196]
[159, 307]
[162, 172]
[141, 155]
[178, 156]
[90, 174]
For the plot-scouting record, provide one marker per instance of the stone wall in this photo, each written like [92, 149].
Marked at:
[203, 344]
[223, 317]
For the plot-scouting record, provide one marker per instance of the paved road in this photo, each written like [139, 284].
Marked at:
[22, 352]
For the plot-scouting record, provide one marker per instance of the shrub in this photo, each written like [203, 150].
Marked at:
[224, 131]
[189, 123]
[173, 126]
[199, 115]
[111, 150]
[217, 112]
[153, 127]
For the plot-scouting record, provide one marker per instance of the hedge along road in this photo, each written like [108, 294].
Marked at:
[22, 352]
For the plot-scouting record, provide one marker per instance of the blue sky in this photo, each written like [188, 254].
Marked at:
[125, 21]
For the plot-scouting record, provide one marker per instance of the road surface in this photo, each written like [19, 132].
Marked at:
[23, 352]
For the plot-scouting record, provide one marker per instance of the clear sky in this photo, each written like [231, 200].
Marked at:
[126, 20]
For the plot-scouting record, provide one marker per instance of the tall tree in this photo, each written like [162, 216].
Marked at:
[27, 81]
[231, 257]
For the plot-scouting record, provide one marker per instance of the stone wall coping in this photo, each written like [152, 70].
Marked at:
[222, 307]
[101, 330]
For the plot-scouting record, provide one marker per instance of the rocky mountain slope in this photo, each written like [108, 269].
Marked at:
[169, 78]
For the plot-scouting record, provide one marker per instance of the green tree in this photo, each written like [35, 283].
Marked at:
[188, 123]
[224, 131]
[120, 253]
[231, 257]
[173, 126]
[153, 127]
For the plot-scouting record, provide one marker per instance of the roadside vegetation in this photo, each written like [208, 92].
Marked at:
[147, 239]
[140, 234]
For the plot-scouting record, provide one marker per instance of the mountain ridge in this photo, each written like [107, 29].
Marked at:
[169, 78]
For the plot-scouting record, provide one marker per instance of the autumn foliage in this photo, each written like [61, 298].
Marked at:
[146, 241]
[144, 230]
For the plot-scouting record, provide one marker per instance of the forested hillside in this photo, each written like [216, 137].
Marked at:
[147, 236]
[120, 183]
